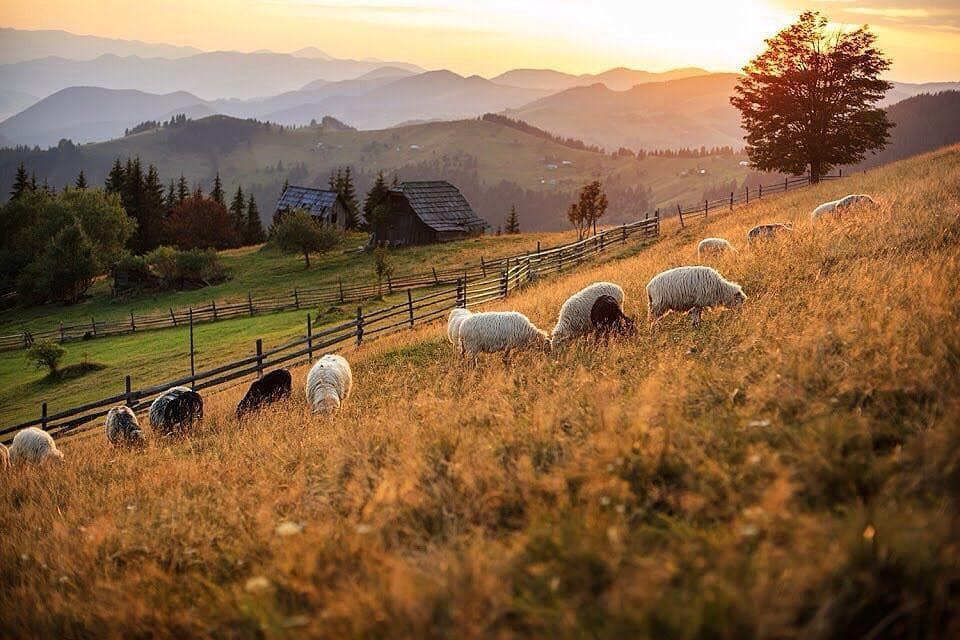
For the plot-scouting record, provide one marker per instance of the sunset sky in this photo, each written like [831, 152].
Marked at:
[491, 36]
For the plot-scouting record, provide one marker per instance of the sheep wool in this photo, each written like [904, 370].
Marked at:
[493, 331]
[454, 320]
[574, 317]
[606, 318]
[836, 206]
[4, 457]
[122, 427]
[175, 410]
[691, 289]
[329, 383]
[33, 446]
[763, 231]
[272, 387]
[709, 246]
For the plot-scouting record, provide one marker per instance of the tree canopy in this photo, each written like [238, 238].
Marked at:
[298, 232]
[807, 100]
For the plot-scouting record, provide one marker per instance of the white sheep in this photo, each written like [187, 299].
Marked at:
[763, 231]
[4, 457]
[329, 384]
[708, 246]
[837, 206]
[174, 411]
[122, 427]
[33, 446]
[493, 331]
[691, 289]
[574, 317]
[456, 317]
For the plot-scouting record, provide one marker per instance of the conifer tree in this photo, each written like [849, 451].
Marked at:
[375, 197]
[253, 233]
[21, 183]
[183, 189]
[216, 194]
[152, 211]
[513, 223]
[237, 215]
[81, 182]
[115, 179]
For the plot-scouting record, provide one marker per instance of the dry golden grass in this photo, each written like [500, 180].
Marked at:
[788, 471]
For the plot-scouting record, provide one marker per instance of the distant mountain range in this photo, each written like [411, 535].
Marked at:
[17, 45]
[619, 79]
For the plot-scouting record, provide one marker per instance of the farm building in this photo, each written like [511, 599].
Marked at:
[324, 206]
[424, 213]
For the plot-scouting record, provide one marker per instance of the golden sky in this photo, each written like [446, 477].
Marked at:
[491, 36]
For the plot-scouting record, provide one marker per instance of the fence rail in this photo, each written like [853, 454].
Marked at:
[467, 290]
[342, 293]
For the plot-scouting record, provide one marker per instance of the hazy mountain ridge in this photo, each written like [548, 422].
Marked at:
[618, 79]
[19, 45]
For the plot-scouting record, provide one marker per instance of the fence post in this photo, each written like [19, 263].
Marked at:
[129, 393]
[705, 207]
[786, 184]
[538, 248]
[680, 213]
[93, 324]
[193, 383]
[623, 230]
[760, 192]
[410, 306]
[173, 318]
[748, 193]
[250, 302]
[43, 416]
[213, 305]
[309, 339]
[259, 357]
[731, 201]
[435, 280]
[133, 325]
[483, 266]
[359, 325]
[341, 290]
[840, 172]
[296, 299]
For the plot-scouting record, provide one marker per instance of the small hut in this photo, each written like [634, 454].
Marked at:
[325, 206]
[424, 213]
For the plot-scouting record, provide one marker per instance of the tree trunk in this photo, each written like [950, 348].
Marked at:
[815, 171]
[306, 258]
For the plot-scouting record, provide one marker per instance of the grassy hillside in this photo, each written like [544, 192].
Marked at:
[787, 471]
[496, 166]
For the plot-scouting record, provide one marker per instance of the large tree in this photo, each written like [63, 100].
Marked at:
[200, 223]
[298, 232]
[253, 228]
[591, 206]
[807, 102]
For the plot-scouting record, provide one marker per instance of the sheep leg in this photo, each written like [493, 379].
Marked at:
[695, 316]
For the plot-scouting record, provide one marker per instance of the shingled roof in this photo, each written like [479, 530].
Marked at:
[440, 206]
[316, 201]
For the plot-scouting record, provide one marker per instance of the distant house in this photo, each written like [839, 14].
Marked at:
[424, 213]
[324, 206]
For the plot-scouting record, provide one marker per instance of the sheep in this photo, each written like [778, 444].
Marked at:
[272, 387]
[123, 428]
[456, 317]
[4, 457]
[329, 384]
[33, 446]
[837, 206]
[763, 231]
[691, 289]
[607, 317]
[574, 317]
[493, 331]
[712, 245]
[175, 411]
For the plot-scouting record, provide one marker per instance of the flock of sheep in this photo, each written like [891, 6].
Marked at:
[597, 309]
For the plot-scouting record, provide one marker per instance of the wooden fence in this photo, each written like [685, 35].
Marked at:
[341, 293]
[467, 291]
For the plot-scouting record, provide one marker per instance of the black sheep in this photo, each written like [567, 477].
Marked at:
[606, 317]
[176, 410]
[272, 387]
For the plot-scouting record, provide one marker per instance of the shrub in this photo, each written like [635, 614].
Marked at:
[199, 267]
[46, 355]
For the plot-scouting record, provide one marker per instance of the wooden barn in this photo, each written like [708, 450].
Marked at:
[425, 213]
[324, 206]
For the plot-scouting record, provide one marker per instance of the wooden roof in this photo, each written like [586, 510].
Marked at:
[315, 201]
[440, 206]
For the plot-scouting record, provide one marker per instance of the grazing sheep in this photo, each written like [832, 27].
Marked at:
[493, 331]
[574, 317]
[329, 383]
[691, 289]
[763, 231]
[33, 446]
[272, 387]
[456, 317]
[4, 458]
[607, 317]
[175, 411]
[123, 428]
[837, 206]
[708, 246]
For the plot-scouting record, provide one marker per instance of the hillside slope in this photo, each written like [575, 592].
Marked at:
[786, 471]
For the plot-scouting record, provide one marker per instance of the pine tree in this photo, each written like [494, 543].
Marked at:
[115, 178]
[513, 223]
[253, 234]
[21, 183]
[183, 189]
[377, 195]
[152, 212]
[171, 200]
[33, 186]
[216, 194]
[81, 182]
[237, 216]
[198, 192]
[349, 195]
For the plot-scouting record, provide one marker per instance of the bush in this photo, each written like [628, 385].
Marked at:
[199, 267]
[167, 268]
[46, 355]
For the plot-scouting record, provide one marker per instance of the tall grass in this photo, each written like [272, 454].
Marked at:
[791, 470]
